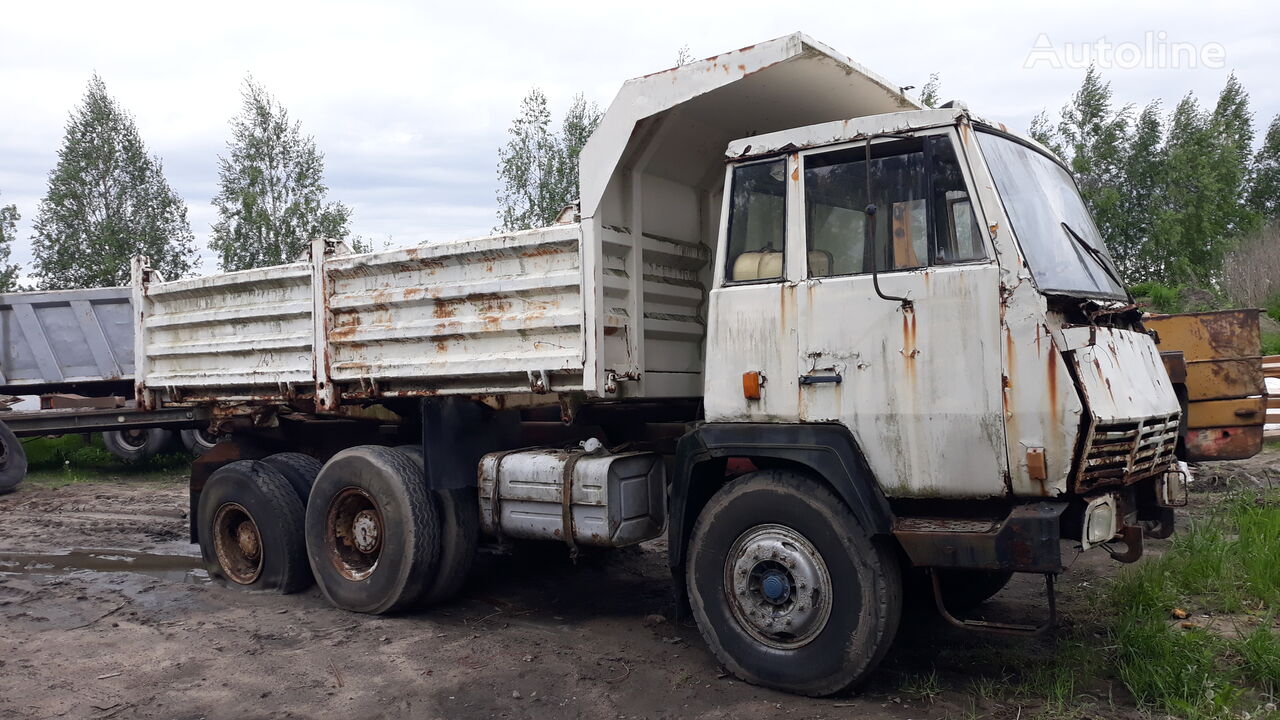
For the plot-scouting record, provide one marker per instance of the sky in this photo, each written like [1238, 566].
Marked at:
[410, 101]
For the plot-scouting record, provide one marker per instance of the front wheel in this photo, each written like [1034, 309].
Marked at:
[788, 588]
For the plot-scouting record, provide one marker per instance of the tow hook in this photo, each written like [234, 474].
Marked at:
[1132, 537]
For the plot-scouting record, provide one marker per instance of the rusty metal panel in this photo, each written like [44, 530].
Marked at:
[1219, 335]
[1221, 379]
[476, 316]
[240, 335]
[65, 337]
[1133, 412]
[1226, 413]
[1223, 443]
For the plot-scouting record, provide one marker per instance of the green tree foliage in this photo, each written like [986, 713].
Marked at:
[1091, 136]
[1264, 190]
[538, 168]
[9, 218]
[1140, 196]
[1168, 196]
[107, 201]
[929, 96]
[271, 191]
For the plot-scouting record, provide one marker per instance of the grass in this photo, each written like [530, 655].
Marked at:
[56, 461]
[1271, 343]
[1224, 660]
[1126, 647]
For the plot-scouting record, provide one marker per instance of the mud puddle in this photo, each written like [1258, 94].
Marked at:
[172, 568]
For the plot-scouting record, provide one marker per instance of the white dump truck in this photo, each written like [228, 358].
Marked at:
[833, 344]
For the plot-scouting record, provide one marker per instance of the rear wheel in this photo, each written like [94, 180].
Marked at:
[251, 528]
[137, 444]
[13, 460]
[198, 441]
[788, 589]
[373, 532]
[459, 512]
[299, 469]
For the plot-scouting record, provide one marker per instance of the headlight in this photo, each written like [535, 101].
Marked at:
[1101, 522]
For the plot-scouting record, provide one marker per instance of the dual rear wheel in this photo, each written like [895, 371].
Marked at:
[363, 526]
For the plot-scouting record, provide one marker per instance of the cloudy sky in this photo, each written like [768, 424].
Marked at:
[410, 101]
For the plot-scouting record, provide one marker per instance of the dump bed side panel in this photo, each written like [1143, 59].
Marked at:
[472, 317]
[51, 341]
[240, 335]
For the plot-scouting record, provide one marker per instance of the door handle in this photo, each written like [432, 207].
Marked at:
[820, 379]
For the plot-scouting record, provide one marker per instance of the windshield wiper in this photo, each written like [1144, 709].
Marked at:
[1098, 257]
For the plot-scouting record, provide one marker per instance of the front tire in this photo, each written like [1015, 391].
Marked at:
[789, 590]
[373, 533]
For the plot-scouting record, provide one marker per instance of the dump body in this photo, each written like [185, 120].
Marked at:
[1223, 388]
[613, 305]
[66, 340]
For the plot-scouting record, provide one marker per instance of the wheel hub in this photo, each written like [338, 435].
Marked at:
[237, 543]
[353, 533]
[778, 586]
[247, 539]
[365, 531]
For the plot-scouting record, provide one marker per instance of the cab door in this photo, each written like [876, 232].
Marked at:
[751, 370]
[912, 367]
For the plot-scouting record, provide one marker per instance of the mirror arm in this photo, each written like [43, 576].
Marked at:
[907, 304]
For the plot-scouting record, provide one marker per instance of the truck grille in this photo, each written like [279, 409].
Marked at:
[1125, 452]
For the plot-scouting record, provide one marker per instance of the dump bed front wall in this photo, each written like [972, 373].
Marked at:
[471, 317]
[67, 337]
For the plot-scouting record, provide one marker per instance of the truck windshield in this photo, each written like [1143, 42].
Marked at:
[1053, 226]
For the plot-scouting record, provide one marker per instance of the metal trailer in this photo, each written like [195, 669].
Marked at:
[841, 347]
[77, 346]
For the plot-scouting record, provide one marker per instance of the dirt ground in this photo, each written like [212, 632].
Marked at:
[106, 612]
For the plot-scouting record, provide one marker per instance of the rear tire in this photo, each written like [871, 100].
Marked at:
[459, 512]
[373, 533]
[136, 445]
[789, 590]
[251, 529]
[13, 460]
[298, 468]
[197, 441]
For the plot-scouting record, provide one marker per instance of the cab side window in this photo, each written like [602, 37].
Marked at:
[757, 222]
[923, 213]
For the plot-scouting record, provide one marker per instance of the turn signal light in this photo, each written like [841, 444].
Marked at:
[751, 382]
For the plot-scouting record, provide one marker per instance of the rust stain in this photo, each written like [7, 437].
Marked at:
[1051, 375]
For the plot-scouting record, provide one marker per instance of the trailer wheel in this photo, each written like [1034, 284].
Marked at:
[13, 460]
[459, 512]
[251, 528]
[298, 468]
[137, 444]
[373, 533]
[789, 590]
[198, 441]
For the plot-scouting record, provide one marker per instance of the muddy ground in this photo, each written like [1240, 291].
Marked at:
[105, 612]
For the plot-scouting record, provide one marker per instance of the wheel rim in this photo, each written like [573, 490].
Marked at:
[778, 586]
[237, 543]
[206, 438]
[134, 439]
[353, 536]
